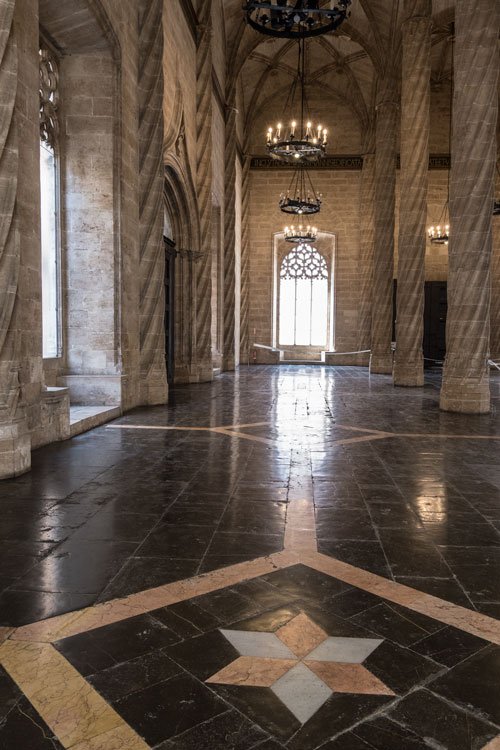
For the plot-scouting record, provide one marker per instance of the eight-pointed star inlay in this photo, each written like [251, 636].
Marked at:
[301, 664]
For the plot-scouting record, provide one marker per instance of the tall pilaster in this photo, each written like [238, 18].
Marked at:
[229, 301]
[383, 255]
[15, 444]
[465, 385]
[204, 190]
[367, 230]
[415, 120]
[245, 262]
[152, 252]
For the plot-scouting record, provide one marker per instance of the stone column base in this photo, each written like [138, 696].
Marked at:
[408, 373]
[228, 363]
[205, 371]
[154, 394]
[381, 364]
[465, 396]
[347, 359]
[15, 448]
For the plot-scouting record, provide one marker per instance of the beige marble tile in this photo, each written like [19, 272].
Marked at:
[72, 709]
[182, 428]
[300, 527]
[370, 431]
[121, 609]
[244, 435]
[253, 671]
[446, 612]
[122, 738]
[301, 635]
[242, 426]
[494, 744]
[364, 439]
[348, 678]
[4, 633]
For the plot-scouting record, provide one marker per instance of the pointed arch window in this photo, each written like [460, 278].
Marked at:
[303, 298]
[49, 201]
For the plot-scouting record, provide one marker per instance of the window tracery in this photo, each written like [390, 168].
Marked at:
[49, 97]
[303, 298]
[304, 262]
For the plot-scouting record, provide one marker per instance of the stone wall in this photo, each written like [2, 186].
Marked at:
[98, 48]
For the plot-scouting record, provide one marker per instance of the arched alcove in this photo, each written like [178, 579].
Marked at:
[180, 207]
[89, 124]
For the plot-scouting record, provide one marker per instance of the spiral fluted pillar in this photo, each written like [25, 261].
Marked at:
[204, 191]
[465, 385]
[383, 254]
[15, 455]
[229, 268]
[245, 262]
[367, 218]
[495, 292]
[415, 119]
[152, 252]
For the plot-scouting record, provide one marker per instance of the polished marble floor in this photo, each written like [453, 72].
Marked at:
[296, 557]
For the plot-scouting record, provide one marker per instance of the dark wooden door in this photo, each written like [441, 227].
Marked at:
[435, 310]
[170, 254]
[436, 307]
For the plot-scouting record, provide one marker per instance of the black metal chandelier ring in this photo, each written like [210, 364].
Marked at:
[298, 207]
[291, 149]
[295, 20]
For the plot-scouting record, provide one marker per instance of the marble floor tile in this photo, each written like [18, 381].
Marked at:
[301, 691]
[178, 548]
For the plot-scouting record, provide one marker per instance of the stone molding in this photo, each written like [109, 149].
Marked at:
[340, 162]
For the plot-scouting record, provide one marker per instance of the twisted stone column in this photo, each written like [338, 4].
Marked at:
[415, 119]
[152, 252]
[495, 292]
[228, 344]
[245, 262]
[367, 231]
[15, 442]
[383, 256]
[204, 190]
[465, 385]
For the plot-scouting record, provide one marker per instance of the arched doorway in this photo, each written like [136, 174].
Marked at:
[182, 231]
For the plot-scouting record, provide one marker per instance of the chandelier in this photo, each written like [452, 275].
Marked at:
[300, 139]
[296, 19]
[300, 234]
[300, 198]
